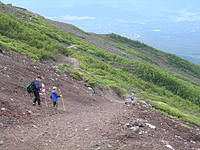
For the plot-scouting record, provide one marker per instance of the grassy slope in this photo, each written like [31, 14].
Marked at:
[26, 34]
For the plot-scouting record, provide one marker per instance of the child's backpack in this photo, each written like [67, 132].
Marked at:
[31, 87]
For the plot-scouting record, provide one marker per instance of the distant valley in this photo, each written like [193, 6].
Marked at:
[175, 32]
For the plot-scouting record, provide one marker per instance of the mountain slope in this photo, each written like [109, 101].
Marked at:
[38, 39]
[92, 121]
[107, 62]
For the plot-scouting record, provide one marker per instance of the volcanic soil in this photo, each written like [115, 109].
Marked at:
[100, 121]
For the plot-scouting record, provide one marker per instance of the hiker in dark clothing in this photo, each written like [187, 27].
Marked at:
[54, 96]
[131, 97]
[37, 90]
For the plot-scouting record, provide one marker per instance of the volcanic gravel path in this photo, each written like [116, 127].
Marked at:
[100, 121]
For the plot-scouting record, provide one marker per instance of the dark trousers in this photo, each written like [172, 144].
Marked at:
[37, 98]
[55, 104]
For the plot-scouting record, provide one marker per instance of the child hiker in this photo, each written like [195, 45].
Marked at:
[54, 96]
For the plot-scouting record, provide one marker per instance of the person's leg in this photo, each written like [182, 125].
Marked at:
[38, 99]
[54, 104]
[34, 101]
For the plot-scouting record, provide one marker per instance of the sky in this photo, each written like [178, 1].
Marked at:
[145, 7]
[136, 5]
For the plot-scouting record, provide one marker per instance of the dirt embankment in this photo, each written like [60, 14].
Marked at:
[100, 121]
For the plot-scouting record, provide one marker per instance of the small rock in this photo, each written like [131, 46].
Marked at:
[30, 112]
[135, 129]
[109, 146]
[141, 132]
[5, 75]
[151, 126]
[169, 146]
[86, 129]
[34, 126]
[24, 113]
[141, 120]
[1, 142]
[11, 99]
[49, 141]
[178, 137]
[145, 104]
[128, 125]
[191, 141]
[134, 102]
[3, 109]
[91, 90]
[136, 124]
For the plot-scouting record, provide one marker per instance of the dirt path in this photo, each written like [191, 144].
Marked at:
[73, 62]
[76, 129]
[92, 122]
[71, 46]
[100, 126]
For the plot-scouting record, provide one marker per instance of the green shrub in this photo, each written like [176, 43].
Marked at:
[59, 71]
[80, 36]
[76, 76]
[175, 112]
[183, 125]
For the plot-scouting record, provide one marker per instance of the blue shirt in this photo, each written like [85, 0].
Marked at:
[54, 96]
[37, 86]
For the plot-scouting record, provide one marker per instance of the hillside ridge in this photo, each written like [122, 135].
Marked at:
[165, 113]
[92, 121]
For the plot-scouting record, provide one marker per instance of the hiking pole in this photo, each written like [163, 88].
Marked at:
[62, 101]
[45, 97]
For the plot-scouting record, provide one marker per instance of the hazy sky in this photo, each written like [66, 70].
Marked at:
[141, 6]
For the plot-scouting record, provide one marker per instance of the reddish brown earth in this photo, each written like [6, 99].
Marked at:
[90, 122]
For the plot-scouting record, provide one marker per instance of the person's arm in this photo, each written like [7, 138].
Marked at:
[37, 85]
[57, 95]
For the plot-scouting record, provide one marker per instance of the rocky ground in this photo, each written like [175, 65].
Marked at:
[100, 121]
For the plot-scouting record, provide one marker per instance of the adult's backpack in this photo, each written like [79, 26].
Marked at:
[31, 87]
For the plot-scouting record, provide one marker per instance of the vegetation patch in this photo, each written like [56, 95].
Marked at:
[76, 76]
[183, 125]
[59, 71]
[175, 112]
[169, 93]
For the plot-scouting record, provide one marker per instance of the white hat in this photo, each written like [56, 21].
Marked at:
[54, 88]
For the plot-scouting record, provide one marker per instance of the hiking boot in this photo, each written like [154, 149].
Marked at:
[33, 104]
[55, 107]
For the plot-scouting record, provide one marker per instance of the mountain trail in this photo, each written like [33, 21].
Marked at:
[91, 122]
